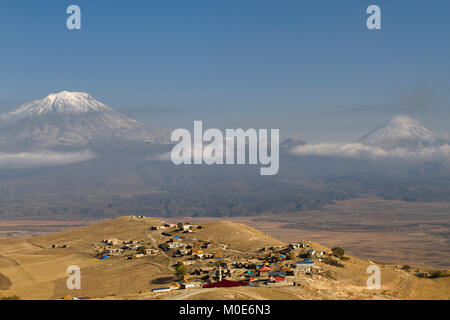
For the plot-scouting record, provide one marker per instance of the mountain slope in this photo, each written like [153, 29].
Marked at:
[403, 132]
[69, 120]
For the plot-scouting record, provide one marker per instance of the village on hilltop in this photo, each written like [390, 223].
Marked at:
[207, 263]
[139, 257]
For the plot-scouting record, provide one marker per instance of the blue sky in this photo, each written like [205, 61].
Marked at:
[306, 67]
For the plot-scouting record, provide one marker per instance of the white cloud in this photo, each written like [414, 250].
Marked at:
[198, 150]
[160, 157]
[358, 150]
[43, 159]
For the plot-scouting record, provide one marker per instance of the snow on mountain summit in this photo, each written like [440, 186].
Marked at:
[402, 131]
[71, 102]
[69, 119]
[61, 103]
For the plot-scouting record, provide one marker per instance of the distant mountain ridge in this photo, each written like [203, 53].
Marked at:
[70, 120]
[292, 142]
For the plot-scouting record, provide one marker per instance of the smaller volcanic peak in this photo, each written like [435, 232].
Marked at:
[402, 132]
[292, 142]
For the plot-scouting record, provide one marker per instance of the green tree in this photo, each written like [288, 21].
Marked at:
[436, 274]
[406, 267]
[338, 251]
[141, 250]
[180, 270]
[164, 246]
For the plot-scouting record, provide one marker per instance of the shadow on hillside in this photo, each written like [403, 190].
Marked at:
[163, 280]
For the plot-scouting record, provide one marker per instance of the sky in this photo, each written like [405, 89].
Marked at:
[309, 68]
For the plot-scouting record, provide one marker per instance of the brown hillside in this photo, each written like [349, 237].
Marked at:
[123, 227]
[238, 236]
[32, 269]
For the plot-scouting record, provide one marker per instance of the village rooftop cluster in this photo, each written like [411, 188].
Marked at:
[206, 263]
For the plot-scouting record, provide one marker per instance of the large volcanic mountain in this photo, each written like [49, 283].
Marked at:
[402, 132]
[70, 120]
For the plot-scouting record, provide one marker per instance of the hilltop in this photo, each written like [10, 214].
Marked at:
[128, 257]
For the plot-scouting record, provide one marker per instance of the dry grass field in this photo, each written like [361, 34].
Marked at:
[39, 272]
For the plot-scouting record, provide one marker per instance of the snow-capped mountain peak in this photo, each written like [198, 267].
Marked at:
[60, 103]
[72, 102]
[69, 119]
[402, 131]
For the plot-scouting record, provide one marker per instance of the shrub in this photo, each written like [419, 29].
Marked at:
[406, 267]
[164, 246]
[436, 274]
[338, 251]
[180, 270]
[332, 262]
[15, 297]
[420, 274]
[329, 275]
[141, 250]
